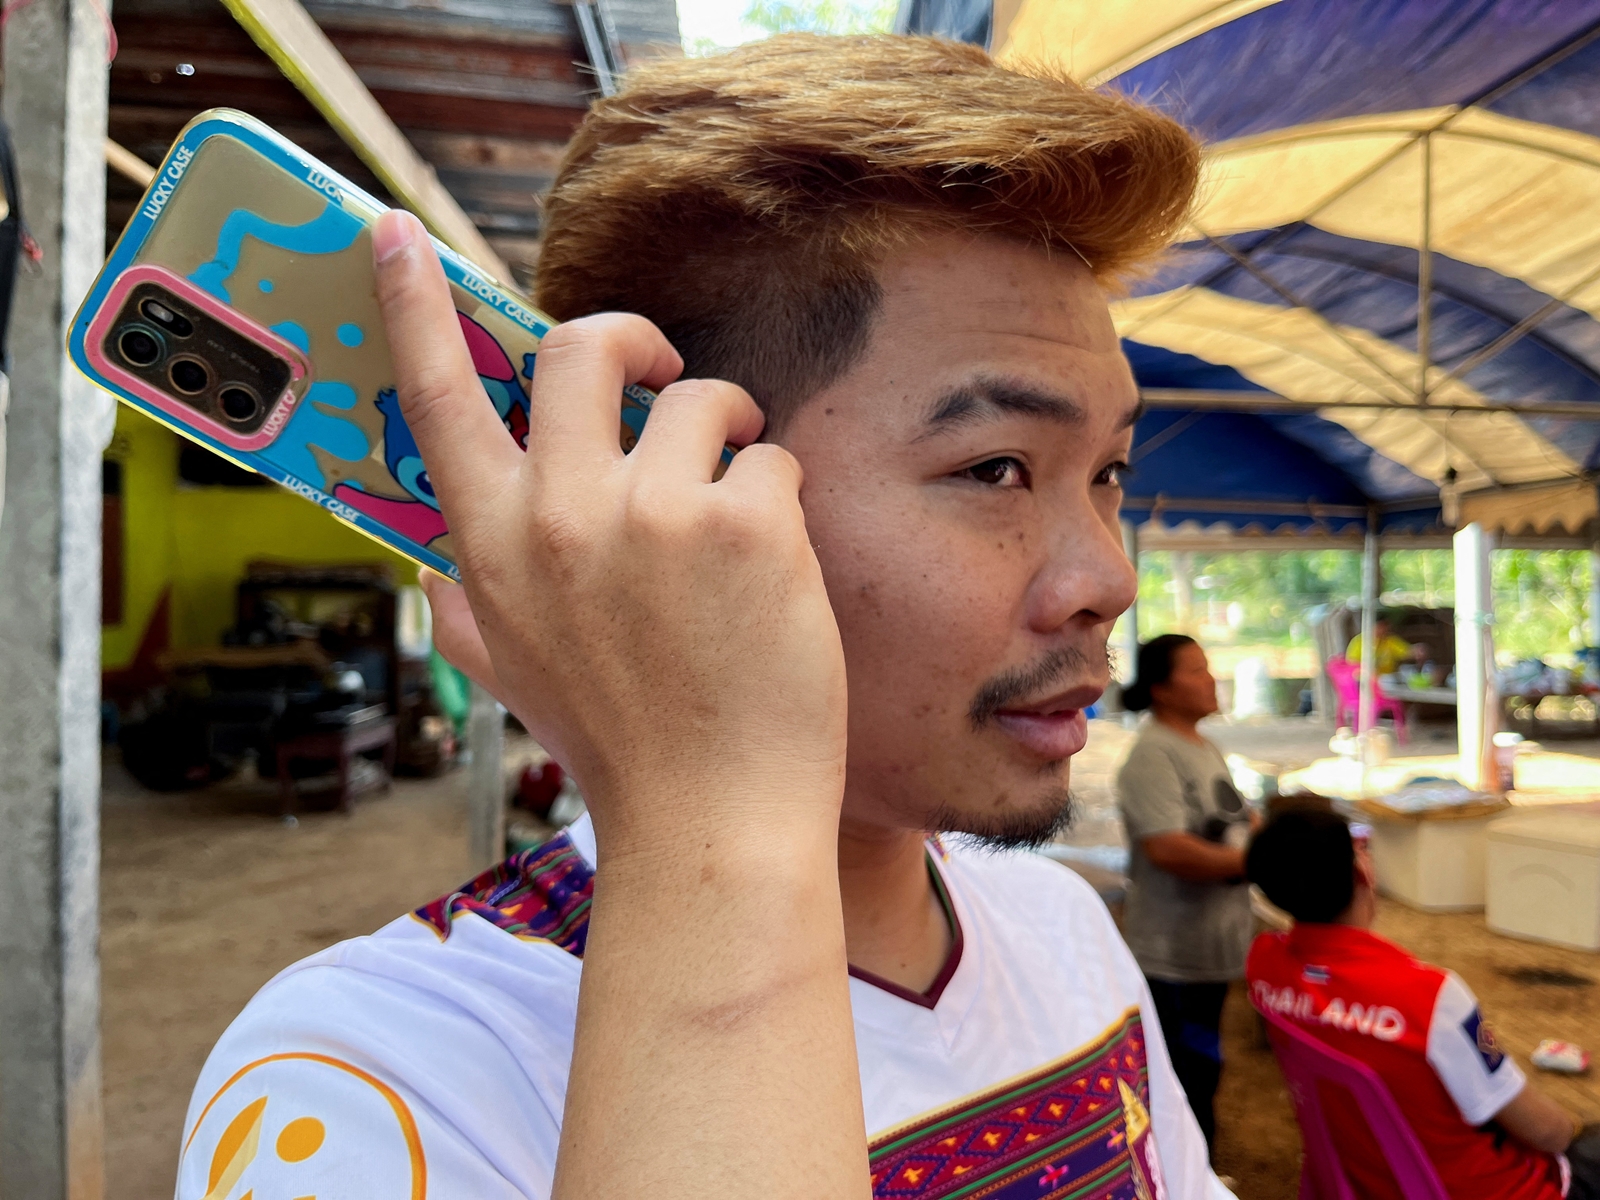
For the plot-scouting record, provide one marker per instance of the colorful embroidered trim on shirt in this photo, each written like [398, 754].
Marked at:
[543, 893]
[1077, 1128]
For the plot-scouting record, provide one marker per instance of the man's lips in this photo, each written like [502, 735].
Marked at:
[1053, 729]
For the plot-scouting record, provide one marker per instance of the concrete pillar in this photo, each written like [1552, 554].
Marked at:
[54, 99]
[486, 784]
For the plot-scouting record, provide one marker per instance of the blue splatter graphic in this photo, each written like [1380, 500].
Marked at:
[265, 285]
[293, 331]
[310, 425]
[349, 335]
[332, 231]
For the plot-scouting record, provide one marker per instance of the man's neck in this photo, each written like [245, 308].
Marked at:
[1183, 724]
[894, 925]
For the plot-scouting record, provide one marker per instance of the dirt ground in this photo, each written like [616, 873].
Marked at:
[204, 897]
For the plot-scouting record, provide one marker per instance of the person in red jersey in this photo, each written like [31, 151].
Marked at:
[1488, 1132]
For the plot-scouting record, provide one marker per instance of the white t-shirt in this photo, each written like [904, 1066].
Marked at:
[429, 1060]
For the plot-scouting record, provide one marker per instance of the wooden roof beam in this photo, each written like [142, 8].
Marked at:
[289, 36]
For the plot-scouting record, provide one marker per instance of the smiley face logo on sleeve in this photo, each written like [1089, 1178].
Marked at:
[303, 1127]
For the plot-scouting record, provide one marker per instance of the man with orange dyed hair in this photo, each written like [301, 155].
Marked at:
[899, 250]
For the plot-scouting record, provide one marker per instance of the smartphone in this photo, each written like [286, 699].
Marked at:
[238, 309]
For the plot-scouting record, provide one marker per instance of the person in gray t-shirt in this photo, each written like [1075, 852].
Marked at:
[1187, 918]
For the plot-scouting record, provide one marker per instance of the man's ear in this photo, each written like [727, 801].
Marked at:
[1366, 873]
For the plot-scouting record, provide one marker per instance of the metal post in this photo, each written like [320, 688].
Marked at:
[486, 785]
[54, 100]
[1367, 706]
[1425, 274]
[1477, 703]
[1129, 648]
[1594, 594]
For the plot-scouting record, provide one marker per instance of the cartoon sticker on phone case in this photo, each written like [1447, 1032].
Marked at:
[417, 517]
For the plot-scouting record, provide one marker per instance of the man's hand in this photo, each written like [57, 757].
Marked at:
[669, 640]
[646, 624]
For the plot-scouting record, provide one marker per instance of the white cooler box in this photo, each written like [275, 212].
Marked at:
[1432, 861]
[1544, 877]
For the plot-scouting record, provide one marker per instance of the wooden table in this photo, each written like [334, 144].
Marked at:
[1411, 695]
[340, 744]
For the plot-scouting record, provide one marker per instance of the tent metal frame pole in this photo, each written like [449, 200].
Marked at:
[1477, 702]
[486, 790]
[1425, 275]
[1130, 632]
[1594, 592]
[1366, 710]
[1239, 401]
[1290, 297]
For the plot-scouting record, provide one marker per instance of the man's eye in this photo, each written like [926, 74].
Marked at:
[999, 472]
[1112, 474]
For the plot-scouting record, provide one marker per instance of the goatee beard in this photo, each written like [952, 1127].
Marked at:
[1010, 831]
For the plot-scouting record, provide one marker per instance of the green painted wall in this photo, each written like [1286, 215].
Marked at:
[199, 540]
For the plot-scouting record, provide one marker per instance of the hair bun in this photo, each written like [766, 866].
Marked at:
[1136, 696]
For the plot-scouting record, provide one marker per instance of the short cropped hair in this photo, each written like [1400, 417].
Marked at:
[743, 201]
[1304, 860]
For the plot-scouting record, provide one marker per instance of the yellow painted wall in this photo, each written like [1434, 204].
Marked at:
[148, 453]
[200, 539]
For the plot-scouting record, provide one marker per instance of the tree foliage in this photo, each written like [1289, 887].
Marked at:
[822, 16]
[1266, 598]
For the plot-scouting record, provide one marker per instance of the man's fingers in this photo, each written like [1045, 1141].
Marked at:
[457, 430]
[455, 631]
[578, 377]
[767, 470]
[691, 421]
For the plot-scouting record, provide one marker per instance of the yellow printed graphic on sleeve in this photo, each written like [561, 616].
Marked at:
[303, 1127]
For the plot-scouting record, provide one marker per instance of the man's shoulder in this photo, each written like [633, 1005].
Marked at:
[348, 1072]
[449, 972]
[449, 1029]
[541, 894]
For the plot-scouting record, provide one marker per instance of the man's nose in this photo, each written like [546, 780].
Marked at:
[1087, 579]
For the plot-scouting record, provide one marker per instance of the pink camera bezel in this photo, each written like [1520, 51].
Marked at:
[100, 327]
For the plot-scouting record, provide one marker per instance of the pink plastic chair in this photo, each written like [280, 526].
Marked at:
[1343, 674]
[1308, 1062]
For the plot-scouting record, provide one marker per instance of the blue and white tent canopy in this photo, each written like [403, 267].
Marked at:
[1355, 149]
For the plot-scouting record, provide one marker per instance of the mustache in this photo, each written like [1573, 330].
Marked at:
[1020, 683]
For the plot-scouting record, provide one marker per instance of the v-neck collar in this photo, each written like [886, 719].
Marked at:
[929, 998]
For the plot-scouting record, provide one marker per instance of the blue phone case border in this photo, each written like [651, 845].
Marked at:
[351, 199]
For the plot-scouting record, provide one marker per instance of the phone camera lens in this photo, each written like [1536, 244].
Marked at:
[139, 346]
[172, 322]
[238, 404]
[189, 375]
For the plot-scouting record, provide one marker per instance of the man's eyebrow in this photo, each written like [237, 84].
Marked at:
[1135, 414]
[989, 399]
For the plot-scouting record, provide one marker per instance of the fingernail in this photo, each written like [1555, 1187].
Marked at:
[391, 234]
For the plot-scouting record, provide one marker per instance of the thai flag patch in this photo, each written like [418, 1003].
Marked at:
[1483, 1042]
[1317, 975]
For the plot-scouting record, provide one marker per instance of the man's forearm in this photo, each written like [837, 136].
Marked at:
[1193, 858]
[687, 1050]
[1538, 1121]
